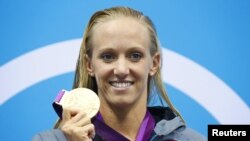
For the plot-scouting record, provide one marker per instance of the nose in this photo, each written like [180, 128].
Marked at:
[121, 69]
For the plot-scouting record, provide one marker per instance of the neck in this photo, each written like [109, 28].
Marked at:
[126, 121]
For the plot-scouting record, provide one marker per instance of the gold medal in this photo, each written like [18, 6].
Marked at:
[82, 98]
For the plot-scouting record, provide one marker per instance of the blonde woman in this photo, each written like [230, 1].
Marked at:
[120, 60]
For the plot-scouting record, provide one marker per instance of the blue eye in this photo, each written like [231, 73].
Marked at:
[135, 56]
[107, 57]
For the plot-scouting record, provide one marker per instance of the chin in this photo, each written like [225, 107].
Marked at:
[122, 103]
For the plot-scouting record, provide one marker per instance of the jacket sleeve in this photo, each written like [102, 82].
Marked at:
[187, 134]
[190, 134]
[50, 135]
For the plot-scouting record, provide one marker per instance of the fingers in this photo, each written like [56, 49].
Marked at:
[69, 112]
[84, 133]
[75, 116]
[76, 125]
[91, 130]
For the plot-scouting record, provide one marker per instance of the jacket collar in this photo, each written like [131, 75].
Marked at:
[166, 121]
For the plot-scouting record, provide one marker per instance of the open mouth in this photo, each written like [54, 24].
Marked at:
[123, 84]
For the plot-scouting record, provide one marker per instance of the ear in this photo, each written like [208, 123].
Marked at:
[156, 64]
[89, 66]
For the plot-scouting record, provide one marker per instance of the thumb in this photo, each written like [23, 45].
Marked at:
[69, 112]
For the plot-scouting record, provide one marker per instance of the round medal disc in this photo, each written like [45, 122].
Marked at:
[85, 99]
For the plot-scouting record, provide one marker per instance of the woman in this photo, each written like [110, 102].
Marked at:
[120, 60]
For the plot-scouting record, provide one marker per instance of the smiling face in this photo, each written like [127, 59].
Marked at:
[121, 62]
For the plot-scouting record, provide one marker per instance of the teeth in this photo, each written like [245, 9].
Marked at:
[120, 84]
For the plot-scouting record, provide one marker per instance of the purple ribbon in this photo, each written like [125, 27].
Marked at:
[59, 96]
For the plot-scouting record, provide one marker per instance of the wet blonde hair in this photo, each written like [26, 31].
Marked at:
[83, 79]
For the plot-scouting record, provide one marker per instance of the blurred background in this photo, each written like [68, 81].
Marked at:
[205, 46]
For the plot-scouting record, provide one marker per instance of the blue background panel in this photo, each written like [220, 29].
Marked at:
[214, 34]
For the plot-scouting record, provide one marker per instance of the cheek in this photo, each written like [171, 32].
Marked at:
[141, 71]
[143, 67]
[101, 71]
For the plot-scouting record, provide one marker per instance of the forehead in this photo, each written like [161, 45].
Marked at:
[120, 30]
[120, 21]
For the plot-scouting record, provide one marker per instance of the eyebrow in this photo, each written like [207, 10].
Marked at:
[106, 49]
[114, 48]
